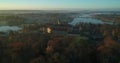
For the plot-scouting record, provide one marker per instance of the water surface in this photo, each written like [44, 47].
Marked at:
[87, 18]
[9, 28]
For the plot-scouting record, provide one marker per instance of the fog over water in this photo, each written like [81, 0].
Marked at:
[84, 18]
[9, 28]
[87, 18]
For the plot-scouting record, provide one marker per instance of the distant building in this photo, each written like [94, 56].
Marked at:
[59, 28]
[49, 30]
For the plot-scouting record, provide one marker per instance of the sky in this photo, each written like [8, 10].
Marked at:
[59, 4]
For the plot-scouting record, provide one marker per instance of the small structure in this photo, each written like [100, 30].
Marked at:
[49, 30]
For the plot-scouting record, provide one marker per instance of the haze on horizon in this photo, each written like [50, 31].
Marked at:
[59, 4]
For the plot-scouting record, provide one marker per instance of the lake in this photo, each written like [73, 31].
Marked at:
[9, 28]
[87, 18]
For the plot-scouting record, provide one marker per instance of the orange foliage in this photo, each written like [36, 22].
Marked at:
[108, 41]
[16, 44]
[108, 44]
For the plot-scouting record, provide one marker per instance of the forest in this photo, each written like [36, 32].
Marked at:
[47, 48]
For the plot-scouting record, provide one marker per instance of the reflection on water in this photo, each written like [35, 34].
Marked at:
[9, 28]
[87, 18]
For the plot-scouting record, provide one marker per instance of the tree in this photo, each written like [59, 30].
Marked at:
[78, 51]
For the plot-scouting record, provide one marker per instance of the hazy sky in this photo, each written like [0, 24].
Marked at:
[58, 4]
